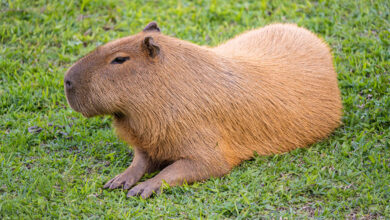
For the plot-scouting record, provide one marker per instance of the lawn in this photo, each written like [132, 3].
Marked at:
[54, 162]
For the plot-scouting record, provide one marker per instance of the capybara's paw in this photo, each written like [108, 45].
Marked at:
[124, 179]
[145, 189]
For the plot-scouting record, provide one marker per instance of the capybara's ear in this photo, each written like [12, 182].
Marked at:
[152, 26]
[152, 48]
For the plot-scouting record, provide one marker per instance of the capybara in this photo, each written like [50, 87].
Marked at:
[195, 112]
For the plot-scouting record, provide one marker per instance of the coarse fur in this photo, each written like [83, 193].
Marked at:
[195, 112]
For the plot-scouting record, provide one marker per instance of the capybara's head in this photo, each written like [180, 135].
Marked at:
[107, 79]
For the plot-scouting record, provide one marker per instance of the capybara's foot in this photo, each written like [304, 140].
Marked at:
[125, 179]
[145, 189]
[176, 174]
[133, 173]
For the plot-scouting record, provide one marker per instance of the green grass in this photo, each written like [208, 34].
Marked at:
[58, 168]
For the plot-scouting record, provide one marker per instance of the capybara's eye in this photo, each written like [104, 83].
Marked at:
[119, 60]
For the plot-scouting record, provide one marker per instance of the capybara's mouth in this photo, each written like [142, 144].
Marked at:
[75, 105]
[87, 115]
[72, 101]
[119, 115]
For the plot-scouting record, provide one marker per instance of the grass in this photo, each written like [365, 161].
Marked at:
[53, 162]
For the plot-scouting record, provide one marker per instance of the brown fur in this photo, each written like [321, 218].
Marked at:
[196, 112]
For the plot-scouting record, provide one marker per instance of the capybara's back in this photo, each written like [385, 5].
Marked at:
[292, 98]
[194, 112]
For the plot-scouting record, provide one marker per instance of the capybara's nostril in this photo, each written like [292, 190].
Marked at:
[68, 84]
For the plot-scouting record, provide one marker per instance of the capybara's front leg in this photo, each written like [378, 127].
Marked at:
[140, 165]
[184, 170]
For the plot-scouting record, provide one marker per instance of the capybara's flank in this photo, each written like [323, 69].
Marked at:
[195, 112]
